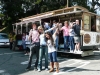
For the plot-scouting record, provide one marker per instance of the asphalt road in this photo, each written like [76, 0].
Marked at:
[15, 62]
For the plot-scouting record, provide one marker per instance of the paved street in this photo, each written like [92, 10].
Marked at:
[15, 62]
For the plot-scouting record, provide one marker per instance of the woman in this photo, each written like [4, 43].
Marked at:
[52, 52]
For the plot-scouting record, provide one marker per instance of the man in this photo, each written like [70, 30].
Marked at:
[34, 35]
[77, 29]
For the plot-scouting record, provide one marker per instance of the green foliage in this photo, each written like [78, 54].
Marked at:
[12, 10]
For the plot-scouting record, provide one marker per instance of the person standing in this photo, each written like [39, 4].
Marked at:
[10, 40]
[14, 41]
[77, 29]
[24, 42]
[52, 53]
[65, 30]
[34, 36]
[27, 42]
[71, 37]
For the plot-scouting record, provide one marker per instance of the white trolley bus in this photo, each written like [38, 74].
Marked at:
[90, 25]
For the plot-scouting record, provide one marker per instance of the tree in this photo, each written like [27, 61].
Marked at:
[95, 4]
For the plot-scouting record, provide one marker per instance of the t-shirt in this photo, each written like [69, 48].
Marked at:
[65, 30]
[51, 47]
[71, 32]
[77, 29]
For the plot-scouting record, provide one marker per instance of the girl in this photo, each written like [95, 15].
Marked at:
[52, 53]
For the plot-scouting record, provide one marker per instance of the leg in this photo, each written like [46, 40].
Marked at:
[57, 41]
[54, 54]
[73, 46]
[71, 43]
[46, 57]
[13, 46]
[65, 43]
[51, 62]
[78, 46]
[40, 58]
[37, 55]
[10, 45]
[30, 58]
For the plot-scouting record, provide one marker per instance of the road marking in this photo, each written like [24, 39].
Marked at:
[1, 71]
[83, 64]
[66, 61]
[76, 61]
[24, 63]
[10, 53]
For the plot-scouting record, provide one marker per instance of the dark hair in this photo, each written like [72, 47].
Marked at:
[34, 23]
[51, 38]
[27, 33]
[54, 21]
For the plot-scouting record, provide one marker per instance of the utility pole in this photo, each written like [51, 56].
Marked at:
[67, 3]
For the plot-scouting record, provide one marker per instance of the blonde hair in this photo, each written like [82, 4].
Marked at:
[40, 27]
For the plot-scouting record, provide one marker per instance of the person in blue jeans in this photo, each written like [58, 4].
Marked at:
[23, 42]
[43, 48]
[71, 37]
[52, 52]
[65, 30]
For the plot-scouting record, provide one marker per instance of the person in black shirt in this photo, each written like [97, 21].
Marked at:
[77, 29]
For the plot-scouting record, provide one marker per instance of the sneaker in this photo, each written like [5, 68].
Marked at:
[28, 68]
[39, 70]
[75, 51]
[26, 54]
[71, 51]
[46, 69]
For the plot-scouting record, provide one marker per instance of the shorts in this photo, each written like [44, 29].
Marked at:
[77, 39]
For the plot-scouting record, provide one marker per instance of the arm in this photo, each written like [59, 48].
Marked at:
[30, 35]
[56, 32]
[50, 29]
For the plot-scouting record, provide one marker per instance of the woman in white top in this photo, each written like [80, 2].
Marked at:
[52, 52]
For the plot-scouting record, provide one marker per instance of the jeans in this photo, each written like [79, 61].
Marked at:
[43, 52]
[53, 56]
[66, 42]
[24, 45]
[71, 40]
[32, 51]
[57, 42]
[11, 45]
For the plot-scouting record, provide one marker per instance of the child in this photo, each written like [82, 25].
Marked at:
[71, 37]
[52, 53]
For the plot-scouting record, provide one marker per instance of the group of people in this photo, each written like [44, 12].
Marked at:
[42, 44]
[71, 35]
[45, 43]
